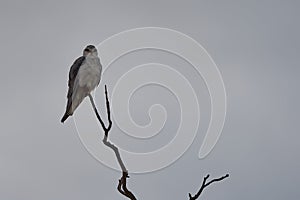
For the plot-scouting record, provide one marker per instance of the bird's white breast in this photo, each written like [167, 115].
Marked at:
[89, 73]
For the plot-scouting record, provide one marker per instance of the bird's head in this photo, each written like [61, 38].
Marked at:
[90, 49]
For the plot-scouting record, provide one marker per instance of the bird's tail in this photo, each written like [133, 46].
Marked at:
[68, 111]
[63, 119]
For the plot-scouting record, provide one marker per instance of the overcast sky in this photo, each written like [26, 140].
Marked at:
[256, 47]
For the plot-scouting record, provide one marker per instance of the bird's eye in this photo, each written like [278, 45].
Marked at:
[87, 50]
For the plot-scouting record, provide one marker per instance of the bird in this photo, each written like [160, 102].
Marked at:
[84, 77]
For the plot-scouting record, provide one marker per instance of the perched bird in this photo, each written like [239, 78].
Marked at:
[84, 77]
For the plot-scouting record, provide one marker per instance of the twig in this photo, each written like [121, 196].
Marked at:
[204, 185]
[122, 185]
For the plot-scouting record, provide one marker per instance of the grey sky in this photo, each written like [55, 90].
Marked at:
[256, 47]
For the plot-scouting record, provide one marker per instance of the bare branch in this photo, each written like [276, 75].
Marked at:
[204, 185]
[97, 114]
[122, 185]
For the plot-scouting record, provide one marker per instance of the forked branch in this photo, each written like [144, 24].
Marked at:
[122, 185]
[204, 185]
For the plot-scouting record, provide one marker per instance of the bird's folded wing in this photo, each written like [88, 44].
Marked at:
[73, 73]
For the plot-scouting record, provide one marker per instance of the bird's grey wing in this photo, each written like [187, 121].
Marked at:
[73, 73]
[100, 69]
[72, 76]
[80, 89]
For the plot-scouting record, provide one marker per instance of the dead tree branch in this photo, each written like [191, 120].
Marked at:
[204, 185]
[122, 185]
